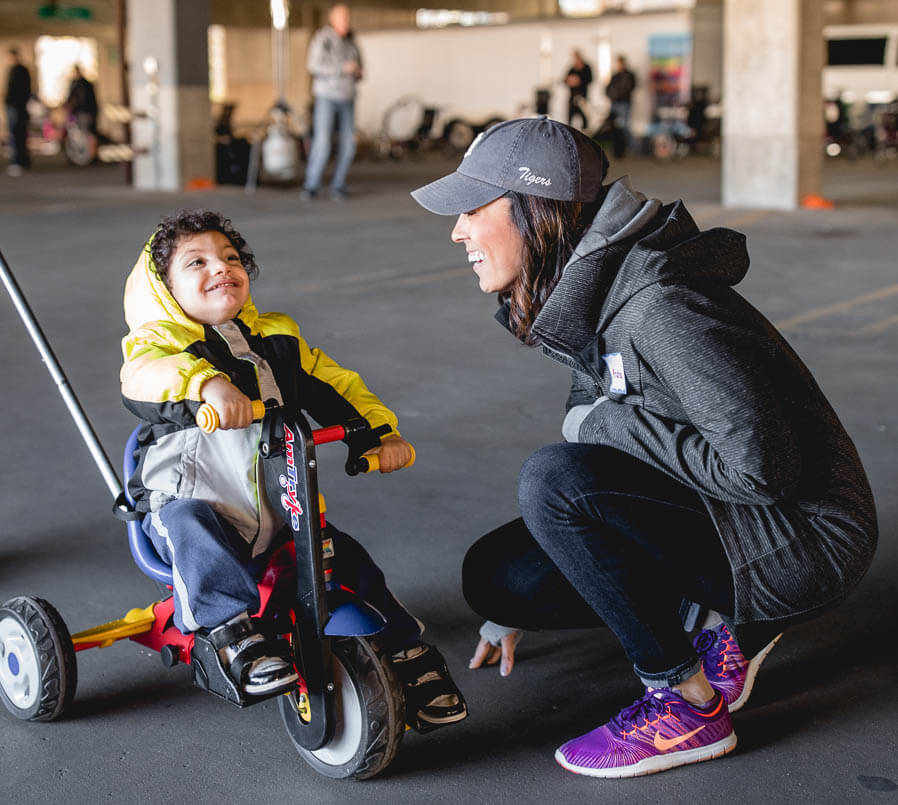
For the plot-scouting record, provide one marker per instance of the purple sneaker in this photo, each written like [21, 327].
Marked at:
[658, 732]
[725, 665]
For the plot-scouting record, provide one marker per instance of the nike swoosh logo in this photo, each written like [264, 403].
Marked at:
[664, 744]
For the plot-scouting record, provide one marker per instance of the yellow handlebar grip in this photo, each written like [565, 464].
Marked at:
[208, 421]
[411, 461]
[207, 418]
[373, 462]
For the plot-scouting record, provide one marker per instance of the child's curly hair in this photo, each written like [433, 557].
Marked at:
[194, 222]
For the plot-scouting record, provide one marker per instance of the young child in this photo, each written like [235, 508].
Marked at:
[195, 336]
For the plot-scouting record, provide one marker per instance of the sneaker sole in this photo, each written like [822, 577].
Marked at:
[656, 763]
[269, 687]
[751, 672]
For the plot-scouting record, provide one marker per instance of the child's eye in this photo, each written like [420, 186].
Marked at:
[233, 257]
[196, 262]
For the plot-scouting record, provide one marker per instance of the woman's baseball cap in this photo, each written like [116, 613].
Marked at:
[534, 155]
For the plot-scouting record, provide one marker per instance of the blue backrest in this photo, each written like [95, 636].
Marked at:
[141, 548]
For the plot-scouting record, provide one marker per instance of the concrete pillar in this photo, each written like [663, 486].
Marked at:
[773, 106]
[169, 85]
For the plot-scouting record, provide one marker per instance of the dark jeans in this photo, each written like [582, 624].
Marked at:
[17, 121]
[215, 576]
[606, 539]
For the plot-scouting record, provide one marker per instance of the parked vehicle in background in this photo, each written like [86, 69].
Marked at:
[861, 63]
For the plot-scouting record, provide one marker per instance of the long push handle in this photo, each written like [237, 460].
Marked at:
[40, 341]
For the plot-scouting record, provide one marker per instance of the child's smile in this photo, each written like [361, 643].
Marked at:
[207, 279]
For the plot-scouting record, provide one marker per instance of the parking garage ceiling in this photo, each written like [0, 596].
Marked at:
[32, 17]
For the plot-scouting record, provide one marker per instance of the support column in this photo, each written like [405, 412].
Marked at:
[169, 84]
[773, 105]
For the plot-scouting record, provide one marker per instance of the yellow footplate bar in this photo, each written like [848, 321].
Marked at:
[136, 621]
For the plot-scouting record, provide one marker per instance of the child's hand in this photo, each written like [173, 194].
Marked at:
[234, 408]
[394, 453]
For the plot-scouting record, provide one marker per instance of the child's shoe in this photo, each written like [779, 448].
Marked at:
[253, 664]
[657, 732]
[725, 665]
[432, 699]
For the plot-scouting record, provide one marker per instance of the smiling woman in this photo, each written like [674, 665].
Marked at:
[702, 469]
[493, 243]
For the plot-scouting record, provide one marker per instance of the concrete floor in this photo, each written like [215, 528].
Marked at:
[377, 283]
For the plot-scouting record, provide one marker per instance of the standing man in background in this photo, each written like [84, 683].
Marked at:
[619, 91]
[578, 79]
[18, 91]
[336, 66]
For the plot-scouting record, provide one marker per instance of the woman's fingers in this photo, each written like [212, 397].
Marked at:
[508, 644]
[486, 652]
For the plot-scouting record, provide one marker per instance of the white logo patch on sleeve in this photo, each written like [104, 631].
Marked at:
[615, 364]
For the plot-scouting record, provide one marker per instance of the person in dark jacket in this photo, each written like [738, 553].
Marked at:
[577, 80]
[702, 468]
[82, 101]
[620, 92]
[18, 92]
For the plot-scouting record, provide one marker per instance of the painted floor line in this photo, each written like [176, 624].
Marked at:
[879, 326]
[838, 307]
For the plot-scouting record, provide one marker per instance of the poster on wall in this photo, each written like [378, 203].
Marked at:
[670, 57]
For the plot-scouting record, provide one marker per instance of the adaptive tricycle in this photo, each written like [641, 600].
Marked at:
[346, 715]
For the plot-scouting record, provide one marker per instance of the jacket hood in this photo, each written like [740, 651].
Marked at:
[147, 299]
[633, 242]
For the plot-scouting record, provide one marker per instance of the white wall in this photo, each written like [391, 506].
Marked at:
[479, 72]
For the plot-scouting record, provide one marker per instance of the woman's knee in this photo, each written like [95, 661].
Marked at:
[478, 572]
[547, 478]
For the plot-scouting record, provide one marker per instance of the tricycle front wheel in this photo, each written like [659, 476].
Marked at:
[370, 712]
[38, 673]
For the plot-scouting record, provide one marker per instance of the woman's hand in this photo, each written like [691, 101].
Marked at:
[489, 653]
[394, 453]
[235, 410]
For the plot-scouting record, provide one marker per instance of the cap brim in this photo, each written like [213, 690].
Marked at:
[455, 194]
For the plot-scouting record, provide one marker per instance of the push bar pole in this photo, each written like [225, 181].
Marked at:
[40, 341]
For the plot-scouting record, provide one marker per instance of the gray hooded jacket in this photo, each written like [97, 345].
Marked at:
[701, 386]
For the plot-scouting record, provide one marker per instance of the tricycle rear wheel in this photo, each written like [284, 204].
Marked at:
[370, 711]
[38, 673]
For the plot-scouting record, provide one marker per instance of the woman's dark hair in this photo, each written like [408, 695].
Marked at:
[550, 230]
[194, 222]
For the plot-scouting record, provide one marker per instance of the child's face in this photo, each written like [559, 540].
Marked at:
[207, 279]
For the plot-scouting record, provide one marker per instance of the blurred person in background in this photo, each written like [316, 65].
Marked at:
[335, 63]
[82, 101]
[577, 80]
[18, 91]
[620, 91]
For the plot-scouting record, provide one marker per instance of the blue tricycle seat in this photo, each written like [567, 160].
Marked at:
[142, 549]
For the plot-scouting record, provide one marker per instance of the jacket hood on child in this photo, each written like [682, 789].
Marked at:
[167, 358]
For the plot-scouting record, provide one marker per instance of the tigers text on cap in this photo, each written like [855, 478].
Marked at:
[534, 155]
